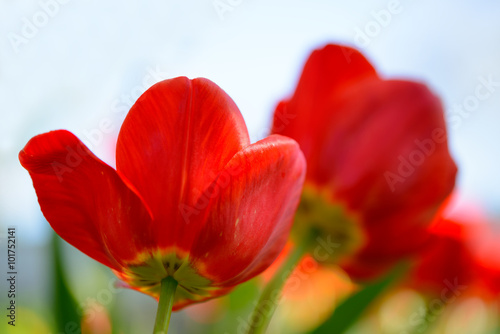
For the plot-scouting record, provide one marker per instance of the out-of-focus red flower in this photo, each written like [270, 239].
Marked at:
[484, 244]
[459, 255]
[190, 198]
[489, 269]
[446, 266]
[377, 155]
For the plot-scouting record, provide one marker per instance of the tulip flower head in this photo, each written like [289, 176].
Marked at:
[190, 197]
[378, 165]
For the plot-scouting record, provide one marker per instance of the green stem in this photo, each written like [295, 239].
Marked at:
[272, 292]
[165, 304]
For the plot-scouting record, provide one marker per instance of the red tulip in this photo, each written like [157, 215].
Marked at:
[377, 156]
[484, 243]
[190, 198]
[451, 276]
[459, 253]
[446, 265]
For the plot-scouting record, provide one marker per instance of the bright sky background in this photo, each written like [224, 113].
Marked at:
[86, 58]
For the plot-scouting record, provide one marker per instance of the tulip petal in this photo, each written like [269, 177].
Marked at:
[448, 240]
[403, 119]
[175, 140]
[406, 122]
[84, 200]
[375, 145]
[414, 116]
[327, 72]
[250, 214]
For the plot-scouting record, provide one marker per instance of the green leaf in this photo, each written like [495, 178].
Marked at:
[243, 295]
[239, 305]
[65, 307]
[350, 310]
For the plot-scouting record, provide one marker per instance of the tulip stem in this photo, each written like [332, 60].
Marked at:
[270, 297]
[165, 304]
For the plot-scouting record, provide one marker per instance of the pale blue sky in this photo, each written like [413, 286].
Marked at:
[82, 61]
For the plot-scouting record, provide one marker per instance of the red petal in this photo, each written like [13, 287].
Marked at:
[381, 124]
[247, 224]
[434, 267]
[354, 129]
[176, 138]
[384, 123]
[84, 200]
[327, 72]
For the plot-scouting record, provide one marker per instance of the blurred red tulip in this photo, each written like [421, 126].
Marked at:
[459, 254]
[190, 198]
[377, 155]
[446, 266]
[484, 244]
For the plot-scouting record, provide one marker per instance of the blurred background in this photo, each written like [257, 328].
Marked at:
[80, 65]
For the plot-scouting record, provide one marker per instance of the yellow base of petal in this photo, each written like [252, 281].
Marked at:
[145, 275]
[340, 232]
